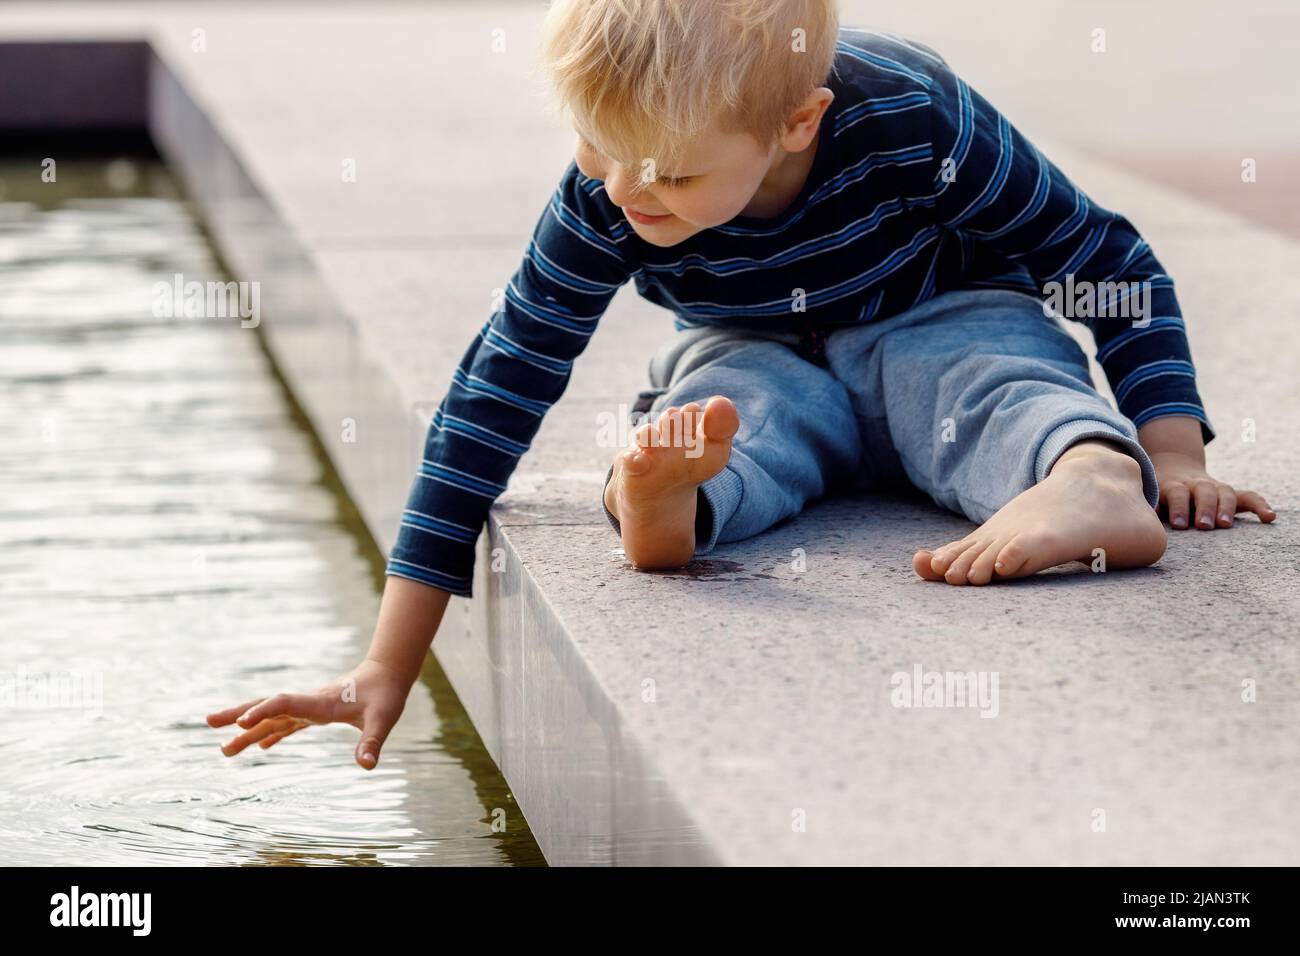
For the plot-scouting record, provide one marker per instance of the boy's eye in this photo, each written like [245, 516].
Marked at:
[673, 181]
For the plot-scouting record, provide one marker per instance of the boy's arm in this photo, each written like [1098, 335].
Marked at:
[409, 616]
[1006, 194]
[516, 368]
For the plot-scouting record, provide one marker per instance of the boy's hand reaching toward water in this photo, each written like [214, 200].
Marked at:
[1186, 488]
[370, 697]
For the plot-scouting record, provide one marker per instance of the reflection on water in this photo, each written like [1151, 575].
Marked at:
[171, 543]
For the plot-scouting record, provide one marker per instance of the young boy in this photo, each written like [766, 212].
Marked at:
[857, 248]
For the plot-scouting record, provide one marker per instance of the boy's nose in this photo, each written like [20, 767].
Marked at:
[618, 186]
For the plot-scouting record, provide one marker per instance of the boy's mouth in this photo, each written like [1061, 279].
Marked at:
[644, 219]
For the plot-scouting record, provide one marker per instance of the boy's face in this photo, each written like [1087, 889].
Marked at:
[720, 175]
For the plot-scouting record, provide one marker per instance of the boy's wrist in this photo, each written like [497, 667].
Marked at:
[409, 616]
[1173, 434]
[397, 670]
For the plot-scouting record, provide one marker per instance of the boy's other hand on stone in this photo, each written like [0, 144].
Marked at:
[1186, 488]
[1176, 450]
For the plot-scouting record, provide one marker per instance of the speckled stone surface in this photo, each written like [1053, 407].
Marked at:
[740, 711]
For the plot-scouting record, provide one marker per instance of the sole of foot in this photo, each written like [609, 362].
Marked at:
[1092, 499]
[653, 490]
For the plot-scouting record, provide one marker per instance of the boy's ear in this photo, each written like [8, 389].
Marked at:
[805, 121]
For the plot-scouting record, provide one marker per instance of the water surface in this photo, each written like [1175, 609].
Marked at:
[172, 542]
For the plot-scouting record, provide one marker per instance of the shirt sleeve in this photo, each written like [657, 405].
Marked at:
[514, 370]
[991, 185]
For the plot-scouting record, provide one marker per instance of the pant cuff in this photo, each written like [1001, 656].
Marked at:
[723, 493]
[1064, 435]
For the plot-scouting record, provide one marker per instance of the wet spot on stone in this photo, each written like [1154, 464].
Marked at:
[705, 569]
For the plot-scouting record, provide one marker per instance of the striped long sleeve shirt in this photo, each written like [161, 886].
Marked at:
[918, 186]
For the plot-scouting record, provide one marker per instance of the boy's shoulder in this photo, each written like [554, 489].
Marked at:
[885, 58]
[887, 55]
[886, 89]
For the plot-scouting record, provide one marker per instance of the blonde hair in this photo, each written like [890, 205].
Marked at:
[640, 79]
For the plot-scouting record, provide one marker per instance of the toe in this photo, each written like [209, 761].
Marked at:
[981, 570]
[670, 428]
[634, 461]
[957, 571]
[1011, 559]
[921, 565]
[721, 420]
[692, 415]
[944, 556]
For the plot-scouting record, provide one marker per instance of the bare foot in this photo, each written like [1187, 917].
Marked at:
[653, 492]
[1092, 498]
